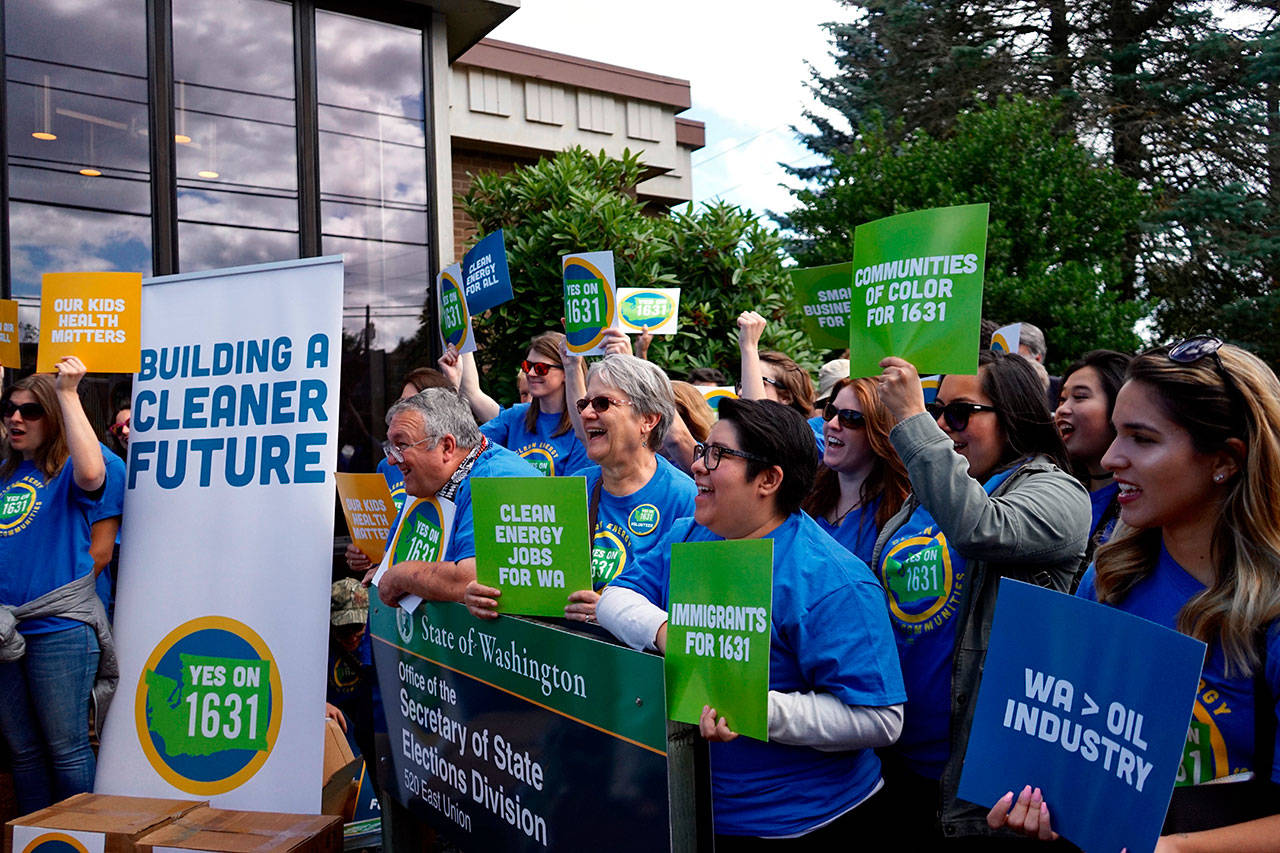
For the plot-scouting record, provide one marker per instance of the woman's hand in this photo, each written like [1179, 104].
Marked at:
[900, 389]
[750, 328]
[1029, 814]
[331, 712]
[481, 600]
[451, 367]
[643, 343]
[582, 606]
[616, 342]
[714, 729]
[70, 371]
[358, 562]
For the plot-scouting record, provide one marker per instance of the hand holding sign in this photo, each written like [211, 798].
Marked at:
[900, 389]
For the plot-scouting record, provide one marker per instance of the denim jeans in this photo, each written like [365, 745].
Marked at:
[44, 715]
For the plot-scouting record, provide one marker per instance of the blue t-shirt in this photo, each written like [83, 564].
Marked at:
[552, 455]
[1220, 736]
[1101, 500]
[395, 481]
[829, 633]
[629, 526]
[496, 461]
[44, 538]
[815, 424]
[857, 530]
[925, 577]
[111, 506]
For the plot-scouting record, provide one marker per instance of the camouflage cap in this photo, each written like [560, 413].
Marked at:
[348, 603]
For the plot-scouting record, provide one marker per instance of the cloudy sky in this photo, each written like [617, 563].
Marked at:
[745, 63]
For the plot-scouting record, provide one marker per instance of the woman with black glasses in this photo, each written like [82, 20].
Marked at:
[633, 494]
[989, 498]
[51, 479]
[835, 691]
[861, 482]
[1197, 462]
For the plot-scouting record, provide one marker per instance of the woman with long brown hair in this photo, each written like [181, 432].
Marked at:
[861, 483]
[1197, 462]
[51, 479]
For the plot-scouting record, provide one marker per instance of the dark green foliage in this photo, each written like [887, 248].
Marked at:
[720, 256]
[1058, 216]
[1182, 99]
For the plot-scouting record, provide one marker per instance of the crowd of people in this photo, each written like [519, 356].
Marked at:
[1146, 483]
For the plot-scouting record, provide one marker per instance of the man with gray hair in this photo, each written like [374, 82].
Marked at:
[1031, 343]
[435, 443]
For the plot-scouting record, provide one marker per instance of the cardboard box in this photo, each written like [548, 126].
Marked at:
[225, 831]
[94, 823]
[337, 752]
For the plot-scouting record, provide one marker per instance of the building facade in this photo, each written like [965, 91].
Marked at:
[168, 136]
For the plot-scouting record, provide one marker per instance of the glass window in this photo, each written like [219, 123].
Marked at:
[76, 126]
[234, 132]
[373, 192]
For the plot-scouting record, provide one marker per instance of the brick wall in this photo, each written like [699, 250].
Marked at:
[469, 161]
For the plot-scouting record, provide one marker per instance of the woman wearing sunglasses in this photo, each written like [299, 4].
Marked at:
[1197, 461]
[51, 478]
[1086, 400]
[835, 690]
[861, 482]
[633, 494]
[541, 430]
[989, 498]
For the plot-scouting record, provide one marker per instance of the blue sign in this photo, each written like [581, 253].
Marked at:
[1087, 703]
[484, 274]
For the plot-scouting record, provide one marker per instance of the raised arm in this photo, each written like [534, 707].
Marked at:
[750, 327]
[90, 470]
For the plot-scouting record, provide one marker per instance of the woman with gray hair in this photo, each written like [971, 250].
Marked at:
[633, 494]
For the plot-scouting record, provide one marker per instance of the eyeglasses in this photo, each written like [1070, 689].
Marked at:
[600, 403]
[395, 452]
[769, 379]
[538, 368]
[1193, 349]
[849, 419]
[29, 411]
[119, 428]
[956, 414]
[711, 454]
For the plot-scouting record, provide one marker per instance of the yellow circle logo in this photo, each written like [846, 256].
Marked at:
[208, 705]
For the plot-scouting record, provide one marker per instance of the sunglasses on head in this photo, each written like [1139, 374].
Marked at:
[849, 419]
[1193, 349]
[538, 368]
[29, 411]
[600, 403]
[956, 414]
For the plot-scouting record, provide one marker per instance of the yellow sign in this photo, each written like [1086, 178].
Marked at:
[95, 316]
[9, 354]
[366, 502]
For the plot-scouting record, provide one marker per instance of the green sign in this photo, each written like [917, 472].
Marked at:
[917, 290]
[822, 297]
[718, 632]
[532, 541]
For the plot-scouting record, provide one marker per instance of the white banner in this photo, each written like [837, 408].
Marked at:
[223, 604]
